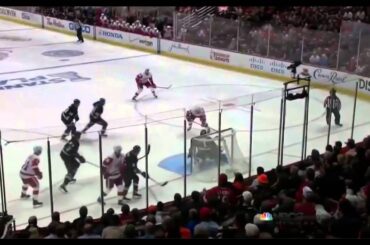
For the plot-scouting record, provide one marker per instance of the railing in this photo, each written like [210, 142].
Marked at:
[346, 51]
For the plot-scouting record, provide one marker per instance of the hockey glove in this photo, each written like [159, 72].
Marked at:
[81, 159]
[39, 176]
[144, 174]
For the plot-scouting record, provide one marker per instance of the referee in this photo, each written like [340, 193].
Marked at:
[79, 30]
[333, 105]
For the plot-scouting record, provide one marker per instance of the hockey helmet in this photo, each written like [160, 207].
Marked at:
[37, 150]
[76, 101]
[137, 148]
[333, 90]
[117, 149]
[146, 72]
[102, 101]
[203, 131]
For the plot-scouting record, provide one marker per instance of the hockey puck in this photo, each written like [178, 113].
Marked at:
[228, 104]
[64, 60]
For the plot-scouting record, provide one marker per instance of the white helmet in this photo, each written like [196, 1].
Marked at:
[117, 149]
[37, 150]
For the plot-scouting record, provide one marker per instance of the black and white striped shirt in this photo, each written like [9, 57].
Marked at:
[332, 102]
[78, 25]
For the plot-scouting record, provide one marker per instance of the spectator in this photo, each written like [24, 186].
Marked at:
[149, 231]
[129, 232]
[193, 220]
[251, 231]
[79, 223]
[254, 184]
[307, 207]
[223, 193]
[206, 223]
[113, 231]
[348, 222]
[88, 232]
[350, 144]
[125, 214]
[160, 213]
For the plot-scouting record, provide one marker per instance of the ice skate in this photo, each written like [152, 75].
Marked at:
[103, 133]
[36, 204]
[25, 196]
[100, 200]
[136, 195]
[126, 199]
[121, 202]
[63, 188]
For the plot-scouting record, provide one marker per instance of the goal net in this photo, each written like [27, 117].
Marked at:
[204, 155]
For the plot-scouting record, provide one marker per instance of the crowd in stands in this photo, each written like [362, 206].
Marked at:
[325, 196]
[310, 34]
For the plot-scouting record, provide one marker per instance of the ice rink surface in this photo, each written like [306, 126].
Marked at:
[43, 71]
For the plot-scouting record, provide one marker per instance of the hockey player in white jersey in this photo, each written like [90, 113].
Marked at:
[145, 79]
[112, 171]
[196, 112]
[30, 175]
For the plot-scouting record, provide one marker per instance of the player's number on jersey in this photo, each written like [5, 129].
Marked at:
[66, 115]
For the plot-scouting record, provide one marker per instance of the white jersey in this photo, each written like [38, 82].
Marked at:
[197, 111]
[31, 167]
[146, 77]
[112, 165]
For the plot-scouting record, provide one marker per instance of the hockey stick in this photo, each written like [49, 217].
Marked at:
[92, 164]
[158, 183]
[146, 154]
[167, 87]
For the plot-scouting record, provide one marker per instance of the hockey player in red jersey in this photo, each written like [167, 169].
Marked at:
[30, 174]
[196, 112]
[112, 167]
[145, 79]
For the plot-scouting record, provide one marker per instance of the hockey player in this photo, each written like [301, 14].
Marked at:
[196, 112]
[112, 167]
[95, 117]
[145, 79]
[30, 174]
[130, 172]
[69, 154]
[69, 118]
[203, 149]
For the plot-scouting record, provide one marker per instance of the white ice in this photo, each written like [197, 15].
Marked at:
[31, 113]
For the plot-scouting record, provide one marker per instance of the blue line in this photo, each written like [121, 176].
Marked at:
[24, 29]
[78, 64]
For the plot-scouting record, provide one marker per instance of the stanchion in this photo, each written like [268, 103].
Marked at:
[101, 173]
[185, 157]
[50, 179]
[219, 140]
[251, 139]
[2, 180]
[354, 111]
[146, 164]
